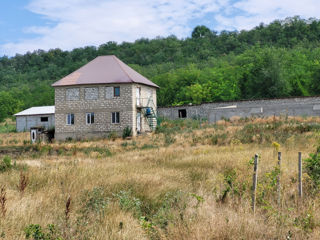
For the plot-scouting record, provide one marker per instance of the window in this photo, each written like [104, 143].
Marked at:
[90, 118]
[91, 93]
[73, 94]
[116, 91]
[44, 119]
[70, 119]
[182, 113]
[115, 117]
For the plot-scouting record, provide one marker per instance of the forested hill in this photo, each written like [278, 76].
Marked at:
[276, 60]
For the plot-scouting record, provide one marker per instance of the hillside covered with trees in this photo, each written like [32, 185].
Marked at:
[276, 60]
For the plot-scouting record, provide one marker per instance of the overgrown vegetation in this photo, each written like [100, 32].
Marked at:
[312, 166]
[148, 187]
[127, 132]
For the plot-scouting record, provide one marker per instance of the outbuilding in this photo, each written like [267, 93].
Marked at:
[35, 117]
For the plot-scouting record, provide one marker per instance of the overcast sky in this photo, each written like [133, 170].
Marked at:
[27, 25]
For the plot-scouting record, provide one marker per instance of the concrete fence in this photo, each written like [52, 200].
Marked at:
[302, 106]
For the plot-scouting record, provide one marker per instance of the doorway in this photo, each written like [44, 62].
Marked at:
[138, 122]
[138, 95]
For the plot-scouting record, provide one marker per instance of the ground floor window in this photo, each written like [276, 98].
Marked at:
[182, 113]
[90, 118]
[44, 119]
[70, 119]
[115, 117]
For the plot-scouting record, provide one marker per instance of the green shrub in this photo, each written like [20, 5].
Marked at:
[6, 164]
[103, 151]
[35, 232]
[127, 132]
[312, 167]
[128, 202]
[94, 201]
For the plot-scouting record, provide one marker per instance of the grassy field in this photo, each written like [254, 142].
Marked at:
[186, 181]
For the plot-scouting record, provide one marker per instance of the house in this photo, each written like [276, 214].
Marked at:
[102, 97]
[35, 117]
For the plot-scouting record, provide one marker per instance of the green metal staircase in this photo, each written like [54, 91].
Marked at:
[150, 114]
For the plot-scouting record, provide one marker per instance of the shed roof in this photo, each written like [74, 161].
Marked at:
[104, 70]
[45, 110]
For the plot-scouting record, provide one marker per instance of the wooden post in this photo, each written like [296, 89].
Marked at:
[300, 174]
[255, 181]
[278, 179]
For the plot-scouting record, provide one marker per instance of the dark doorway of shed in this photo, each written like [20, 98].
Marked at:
[182, 113]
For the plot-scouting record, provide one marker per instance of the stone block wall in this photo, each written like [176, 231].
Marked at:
[98, 99]
[304, 106]
[92, 99]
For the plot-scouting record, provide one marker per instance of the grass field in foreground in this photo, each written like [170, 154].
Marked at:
[184, 182]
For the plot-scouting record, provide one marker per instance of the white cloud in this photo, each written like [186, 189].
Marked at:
[79, 23]
[93, 22]
[257, 11]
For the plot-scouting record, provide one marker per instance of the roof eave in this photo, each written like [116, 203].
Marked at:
[83, 84]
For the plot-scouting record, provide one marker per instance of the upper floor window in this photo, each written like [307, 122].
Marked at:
[70, 119]
[72, 94]
[91, 93]
[44, 119]
[90, 118]
[116, 91]
[112, 92]
[115, 117]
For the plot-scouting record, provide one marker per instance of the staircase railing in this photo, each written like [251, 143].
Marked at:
[149, 111]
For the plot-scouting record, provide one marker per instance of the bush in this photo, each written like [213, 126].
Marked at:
[35, 232]
[5, 164]
[128, 202]
[127, 132]
[312, 167]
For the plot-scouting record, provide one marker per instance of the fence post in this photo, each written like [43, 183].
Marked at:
[278, 179]
[255, 181]
[300, 174]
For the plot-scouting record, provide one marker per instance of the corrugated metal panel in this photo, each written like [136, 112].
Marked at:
[37, 111]
[104, 70]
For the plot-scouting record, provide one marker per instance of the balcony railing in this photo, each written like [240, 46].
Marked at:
[144, 103]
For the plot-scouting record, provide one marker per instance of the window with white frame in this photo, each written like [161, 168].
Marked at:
[70, 119]
[115, 117]
[90, 118]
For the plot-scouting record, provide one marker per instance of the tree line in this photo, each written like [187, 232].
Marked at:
[276, 60]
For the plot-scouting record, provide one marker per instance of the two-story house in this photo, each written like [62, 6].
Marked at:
[104, 96]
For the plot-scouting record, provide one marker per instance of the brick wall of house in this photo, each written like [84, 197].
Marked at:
[92, 98]
[98, 99]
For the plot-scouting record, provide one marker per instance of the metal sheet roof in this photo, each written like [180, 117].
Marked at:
[37, 111]
[104, 70]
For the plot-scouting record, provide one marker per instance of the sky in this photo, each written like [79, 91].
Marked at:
[28, 25]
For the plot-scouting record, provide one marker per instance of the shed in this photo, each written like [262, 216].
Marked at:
[35, 117]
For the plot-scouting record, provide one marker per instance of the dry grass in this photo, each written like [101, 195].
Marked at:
[152, 189]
